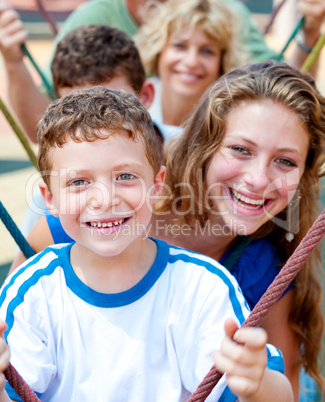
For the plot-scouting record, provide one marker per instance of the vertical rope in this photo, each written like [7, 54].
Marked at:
[311, 59]
[47, 16]
[15, 232]
[273, 15]
[48, 86]
[19, 133]
[294, 33]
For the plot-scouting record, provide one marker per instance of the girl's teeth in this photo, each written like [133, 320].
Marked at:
[240, 199]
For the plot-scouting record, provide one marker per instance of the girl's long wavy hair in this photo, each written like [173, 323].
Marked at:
[189, 155]
[212, 16]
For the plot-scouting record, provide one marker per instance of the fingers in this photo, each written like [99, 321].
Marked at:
[243, 358]
[314, 13]
[230, 327]
[4, 5]
[12, 35]
[3, 327]
[4, 354]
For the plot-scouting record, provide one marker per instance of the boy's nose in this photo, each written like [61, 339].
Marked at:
[101, 197]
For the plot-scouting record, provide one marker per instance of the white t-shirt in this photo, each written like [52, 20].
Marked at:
[151, 343]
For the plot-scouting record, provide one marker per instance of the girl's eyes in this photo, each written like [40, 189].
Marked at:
[125, 176]
[240, 149]
[286, 162]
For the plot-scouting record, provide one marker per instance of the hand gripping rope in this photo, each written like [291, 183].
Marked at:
[270, 297]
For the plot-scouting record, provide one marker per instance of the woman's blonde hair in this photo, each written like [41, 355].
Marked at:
[212, 16]
[189, 155]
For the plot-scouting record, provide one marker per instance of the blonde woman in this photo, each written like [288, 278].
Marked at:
[186, 45]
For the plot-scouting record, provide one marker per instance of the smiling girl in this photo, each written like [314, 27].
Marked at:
[245, 166]
[188, 45]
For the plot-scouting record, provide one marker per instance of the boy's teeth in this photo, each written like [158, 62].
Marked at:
[239, 197]
[106, 224]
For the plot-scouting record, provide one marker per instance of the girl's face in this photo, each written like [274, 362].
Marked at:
[256, 171]
[189, 63]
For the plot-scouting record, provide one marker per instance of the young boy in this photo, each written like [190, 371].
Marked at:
[99, 55]
[118, 316]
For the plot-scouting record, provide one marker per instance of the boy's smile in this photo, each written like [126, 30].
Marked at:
[102, 191]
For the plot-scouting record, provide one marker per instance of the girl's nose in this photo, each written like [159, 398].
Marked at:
[257, 177]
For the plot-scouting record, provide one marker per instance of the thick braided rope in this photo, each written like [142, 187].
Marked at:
[271, 296]
[19, 385]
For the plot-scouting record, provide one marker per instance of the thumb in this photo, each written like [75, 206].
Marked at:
[4, 5]
[3, 327]
[230, 327]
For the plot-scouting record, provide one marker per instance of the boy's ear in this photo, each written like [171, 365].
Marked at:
[159, 183]
[48, 199]
[147, 93]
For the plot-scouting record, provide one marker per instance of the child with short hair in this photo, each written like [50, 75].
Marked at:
[98, 55]
[116, 304]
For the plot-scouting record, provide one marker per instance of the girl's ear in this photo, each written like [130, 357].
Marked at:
[147, 93]
[159, 184]
[48, 199]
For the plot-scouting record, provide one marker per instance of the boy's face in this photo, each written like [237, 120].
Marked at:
[103, 192]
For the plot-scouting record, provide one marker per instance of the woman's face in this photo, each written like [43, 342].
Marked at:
[257, 169]
[189, 63]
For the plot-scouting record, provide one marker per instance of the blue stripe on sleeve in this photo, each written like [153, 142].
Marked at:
[237, 307]
[17, 274]
[19, 298]
[227, 396]
[275, 362]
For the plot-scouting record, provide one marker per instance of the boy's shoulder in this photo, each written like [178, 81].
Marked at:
[42, 264]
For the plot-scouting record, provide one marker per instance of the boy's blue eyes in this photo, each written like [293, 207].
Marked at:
[125, 176]
[78, 183]
[83, 182]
